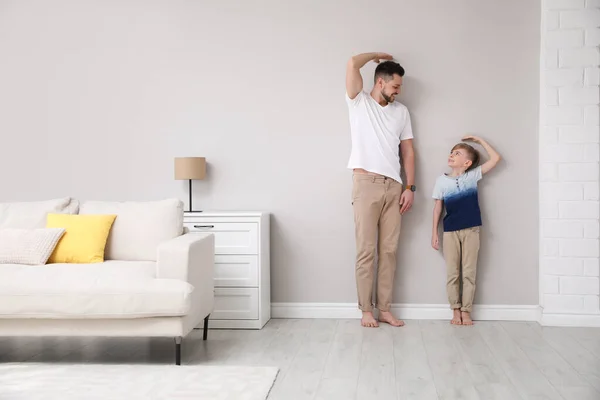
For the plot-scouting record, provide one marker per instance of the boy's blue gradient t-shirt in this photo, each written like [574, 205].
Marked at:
[460, 199]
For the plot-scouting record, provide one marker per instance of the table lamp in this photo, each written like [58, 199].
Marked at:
[190, 168]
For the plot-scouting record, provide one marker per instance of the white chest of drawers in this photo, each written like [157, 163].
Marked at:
[242, 266]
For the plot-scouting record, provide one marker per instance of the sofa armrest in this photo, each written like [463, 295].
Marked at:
[189, 257]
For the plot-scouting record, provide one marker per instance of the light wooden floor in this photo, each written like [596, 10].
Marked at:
[337, 359]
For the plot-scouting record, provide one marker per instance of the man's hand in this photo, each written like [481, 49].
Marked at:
[435, 241]
[406, 201]
[382, 56]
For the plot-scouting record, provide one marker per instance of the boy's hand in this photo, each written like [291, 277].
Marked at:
[435, 242]
[472, 138]
[494, 156]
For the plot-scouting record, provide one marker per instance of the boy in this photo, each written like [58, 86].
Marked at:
[457, 191]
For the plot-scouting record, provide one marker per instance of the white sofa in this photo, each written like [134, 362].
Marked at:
[156, 279]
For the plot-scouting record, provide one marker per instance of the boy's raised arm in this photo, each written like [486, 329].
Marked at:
[494, 156]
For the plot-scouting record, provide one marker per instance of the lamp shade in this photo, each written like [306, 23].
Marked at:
[190, 168]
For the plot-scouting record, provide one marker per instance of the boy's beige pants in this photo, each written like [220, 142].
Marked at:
[461, 249]
[377, 218]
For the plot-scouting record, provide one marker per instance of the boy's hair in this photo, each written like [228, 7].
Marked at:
[472, 154]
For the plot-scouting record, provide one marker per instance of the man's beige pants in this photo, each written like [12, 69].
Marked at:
[376, 203]
[461, 249]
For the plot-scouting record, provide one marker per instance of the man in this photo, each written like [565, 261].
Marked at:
[380, 129]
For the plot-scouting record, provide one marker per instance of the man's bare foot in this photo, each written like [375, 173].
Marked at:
[387, 317]
[368, 320]
[466, 318]
[456, 320]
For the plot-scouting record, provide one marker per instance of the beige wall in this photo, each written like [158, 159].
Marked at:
[98, 98]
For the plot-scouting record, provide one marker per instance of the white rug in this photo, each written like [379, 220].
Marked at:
[107, 382]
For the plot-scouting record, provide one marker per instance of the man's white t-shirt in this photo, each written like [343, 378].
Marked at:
[376, 132]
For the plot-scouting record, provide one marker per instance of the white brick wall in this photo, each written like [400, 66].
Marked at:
[564, 4]
[565, 266]
[578, 57]
[578, 247]
[566, 76]
[591, 115]
[592, 3]
[556, 228]
[578, 285]
[569, 157]
[581, 18]
[574, 172]
[591, 191]
[578, 133]
[591, 267]
[584, 210]
[592, 76]
[578, 96]
[592, 37]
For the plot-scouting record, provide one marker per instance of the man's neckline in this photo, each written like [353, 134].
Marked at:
[375, 100]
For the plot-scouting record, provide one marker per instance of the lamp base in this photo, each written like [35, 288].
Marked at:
[190, 201]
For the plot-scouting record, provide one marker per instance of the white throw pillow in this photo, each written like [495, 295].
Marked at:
[28, 246]
[32, 214]
[140, 226]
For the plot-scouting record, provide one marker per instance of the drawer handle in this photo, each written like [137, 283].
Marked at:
[204, 226]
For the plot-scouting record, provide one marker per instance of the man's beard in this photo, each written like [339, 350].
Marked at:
[386, 97]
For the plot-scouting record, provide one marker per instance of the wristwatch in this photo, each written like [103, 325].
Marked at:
[412, 188]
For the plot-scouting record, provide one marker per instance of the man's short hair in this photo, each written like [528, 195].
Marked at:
[388, 69]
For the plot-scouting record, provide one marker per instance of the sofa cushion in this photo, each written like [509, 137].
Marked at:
[84, 240]
[32, 214]
[140, 227]
[112, 289]
[28, 246]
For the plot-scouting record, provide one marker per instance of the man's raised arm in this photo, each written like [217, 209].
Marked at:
[354, 82]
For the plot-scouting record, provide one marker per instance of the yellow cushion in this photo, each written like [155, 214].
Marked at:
[84, 240]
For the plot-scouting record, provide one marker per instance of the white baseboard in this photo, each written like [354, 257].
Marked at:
[406, 311]
[579, 320]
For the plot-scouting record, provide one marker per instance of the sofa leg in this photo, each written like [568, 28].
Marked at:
[178, 350]
[205, 333]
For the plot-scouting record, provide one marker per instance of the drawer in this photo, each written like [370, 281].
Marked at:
[235, 303]
[230, 237]
[236, 270]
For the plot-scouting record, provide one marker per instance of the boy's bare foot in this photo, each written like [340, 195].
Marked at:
[456, 320]
[387, 317]
[466, 318]
[368, 320]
